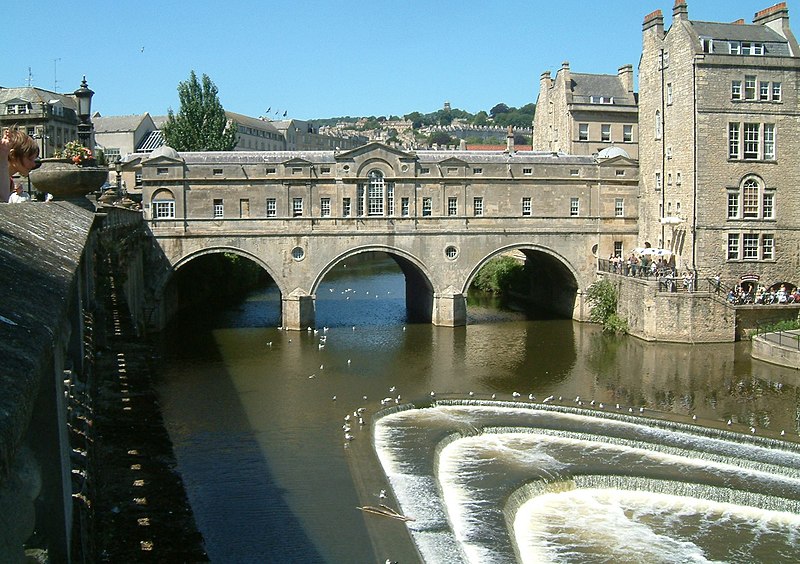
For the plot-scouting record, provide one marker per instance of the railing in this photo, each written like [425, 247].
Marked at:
[789, 338]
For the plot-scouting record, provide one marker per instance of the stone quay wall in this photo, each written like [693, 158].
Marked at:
[689, 317]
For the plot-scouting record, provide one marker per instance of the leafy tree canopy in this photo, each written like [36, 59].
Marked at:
[201, 124]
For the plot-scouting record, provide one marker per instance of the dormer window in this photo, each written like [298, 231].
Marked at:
[707, 44]
[756, 49]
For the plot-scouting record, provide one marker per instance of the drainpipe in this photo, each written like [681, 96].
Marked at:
[694, 158]
[662, 127]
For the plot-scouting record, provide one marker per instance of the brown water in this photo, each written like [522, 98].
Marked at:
[258, 434]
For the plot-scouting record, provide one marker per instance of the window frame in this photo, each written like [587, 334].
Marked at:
[163, 209]
[574, 207]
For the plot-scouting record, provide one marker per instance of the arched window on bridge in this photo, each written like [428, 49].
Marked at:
[163, 205]
[377, 196]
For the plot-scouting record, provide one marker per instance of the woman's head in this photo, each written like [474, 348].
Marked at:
[23, 153]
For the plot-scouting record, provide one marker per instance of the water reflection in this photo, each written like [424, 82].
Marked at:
[259, 437]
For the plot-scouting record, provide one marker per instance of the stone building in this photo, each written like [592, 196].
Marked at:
[719, 136]
[379, 181]
[582, 114]
[118, 136]
[256, 134]
[301, 135]
[49, 117]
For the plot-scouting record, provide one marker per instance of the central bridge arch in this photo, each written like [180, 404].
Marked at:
[419, 288]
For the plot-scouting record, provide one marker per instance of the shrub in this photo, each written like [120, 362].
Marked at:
[602, 298]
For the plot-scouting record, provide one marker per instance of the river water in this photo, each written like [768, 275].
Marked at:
[256, 415]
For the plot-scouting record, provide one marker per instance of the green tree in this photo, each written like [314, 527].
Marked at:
[201, 123]
[499, 109]
[440, 138]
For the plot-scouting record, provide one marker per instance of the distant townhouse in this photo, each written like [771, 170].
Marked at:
[719, 143]
[582, 114]
[305, 136]
[118, 136]
[49, 117]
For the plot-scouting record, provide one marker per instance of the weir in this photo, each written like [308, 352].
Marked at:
[498, 469]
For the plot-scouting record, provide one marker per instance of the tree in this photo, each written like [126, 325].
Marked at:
[440, 138]
[498, 109]
[201, 123]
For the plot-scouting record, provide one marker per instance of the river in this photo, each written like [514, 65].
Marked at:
[256, 414]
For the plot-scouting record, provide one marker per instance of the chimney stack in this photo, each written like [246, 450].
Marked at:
[680, 11]
[654, 20]
[625, 74]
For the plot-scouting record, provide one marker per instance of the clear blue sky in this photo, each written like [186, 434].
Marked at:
[316, 59]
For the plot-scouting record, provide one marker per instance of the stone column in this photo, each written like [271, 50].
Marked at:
[298, 310]
[449, 309]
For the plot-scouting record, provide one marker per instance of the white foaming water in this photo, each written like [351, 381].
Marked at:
[474, 476]
[632, 526]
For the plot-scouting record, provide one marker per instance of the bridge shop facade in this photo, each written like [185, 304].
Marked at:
[441, 215]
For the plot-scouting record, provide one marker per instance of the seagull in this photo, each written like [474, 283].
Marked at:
[321, 366]
[494, 396]
[548, 399]
[348, 362]
[382, 495]
[433, 394]
[601, 406]
[321, 346]
[348, 437]
[269, 343]
[471, 394]
[753, 430]
[334, 398]
[392, 389]
[312, 376]
[694, 417]
[515, 394]
[730, 422]
[783, 433]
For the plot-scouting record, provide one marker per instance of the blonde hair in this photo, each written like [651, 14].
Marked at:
[22, 145]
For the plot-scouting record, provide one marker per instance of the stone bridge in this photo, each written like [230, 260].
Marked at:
[441, 215]
[439, 258]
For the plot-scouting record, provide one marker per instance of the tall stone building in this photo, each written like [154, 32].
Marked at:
[719, 143]
[582, 114]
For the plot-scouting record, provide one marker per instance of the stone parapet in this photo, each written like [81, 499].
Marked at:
[45, 275]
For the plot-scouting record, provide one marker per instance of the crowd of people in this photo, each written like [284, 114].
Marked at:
[644, 266]
[747, 294]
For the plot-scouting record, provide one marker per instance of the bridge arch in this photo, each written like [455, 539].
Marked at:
[554, 285]
[419, 285]
[184, 260]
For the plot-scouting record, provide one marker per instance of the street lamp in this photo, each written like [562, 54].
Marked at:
[118, 169]
[84, 97]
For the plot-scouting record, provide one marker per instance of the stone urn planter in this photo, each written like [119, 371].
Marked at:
[66, 180]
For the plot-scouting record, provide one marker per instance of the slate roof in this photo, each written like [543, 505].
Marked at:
[609, 85]
[36, 96]
[116, 124]
[248, 121]
[40, 248]
[774, 43]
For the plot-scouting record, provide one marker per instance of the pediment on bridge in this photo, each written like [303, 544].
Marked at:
[618, 161]
[162, 160]
[371, 149]
[297, 161]
[453, 161]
